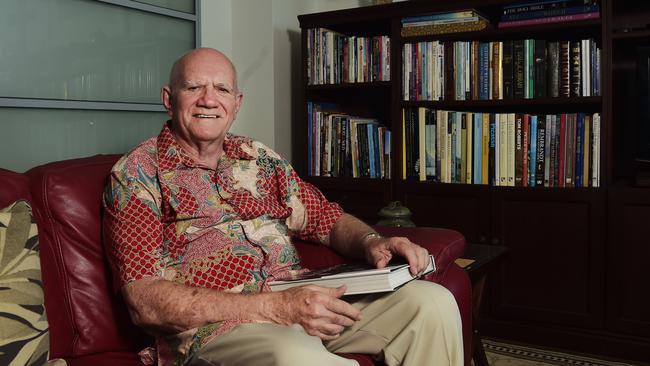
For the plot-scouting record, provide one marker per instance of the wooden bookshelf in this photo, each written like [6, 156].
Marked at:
[571, 277]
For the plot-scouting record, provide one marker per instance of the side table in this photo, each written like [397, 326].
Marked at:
[484, 259]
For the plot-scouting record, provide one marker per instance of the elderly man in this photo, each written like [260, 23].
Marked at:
[197, 220]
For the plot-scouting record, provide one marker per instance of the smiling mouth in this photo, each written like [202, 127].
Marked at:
[206, 116]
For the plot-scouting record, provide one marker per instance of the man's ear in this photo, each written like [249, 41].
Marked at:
[238, 100]
[166, 98]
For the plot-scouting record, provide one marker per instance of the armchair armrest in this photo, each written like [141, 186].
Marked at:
[445, 245]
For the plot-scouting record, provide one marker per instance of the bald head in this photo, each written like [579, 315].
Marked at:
[177, 73]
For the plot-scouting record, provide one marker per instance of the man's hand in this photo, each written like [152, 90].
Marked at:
[319, 310]
[379, 252]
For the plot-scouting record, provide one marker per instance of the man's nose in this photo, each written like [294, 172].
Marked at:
[209, 97]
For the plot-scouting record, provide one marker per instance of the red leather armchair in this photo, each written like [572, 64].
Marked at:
[89, 323]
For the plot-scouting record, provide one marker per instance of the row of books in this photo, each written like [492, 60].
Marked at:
[547, 12]
[510, 69]
[341, 145]
[501, 149]
[445, 22]
[334, 58]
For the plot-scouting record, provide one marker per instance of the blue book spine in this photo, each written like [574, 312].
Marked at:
[438, 16]
[371, 150]
[532, 157]
[478, 148]
[484, 67]
[580, 133]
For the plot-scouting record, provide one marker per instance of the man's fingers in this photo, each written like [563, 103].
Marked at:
[343, 309]
[415, 255]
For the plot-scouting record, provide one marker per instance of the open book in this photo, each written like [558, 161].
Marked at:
[359, 279]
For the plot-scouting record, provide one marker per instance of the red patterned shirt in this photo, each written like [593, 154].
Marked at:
[228, 229]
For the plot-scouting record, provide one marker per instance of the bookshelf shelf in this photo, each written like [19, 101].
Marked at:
[353, 86]
[590, 233]
[571, 103]
[554, 30]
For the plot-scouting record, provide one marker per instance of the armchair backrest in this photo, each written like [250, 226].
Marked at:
[85, 313]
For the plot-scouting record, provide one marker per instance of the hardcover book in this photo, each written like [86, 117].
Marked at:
[358, 278]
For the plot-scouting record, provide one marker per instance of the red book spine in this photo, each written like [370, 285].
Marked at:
[548, 20]
[562, 150]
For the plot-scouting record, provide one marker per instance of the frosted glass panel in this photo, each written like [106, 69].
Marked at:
[87, 50]
[31, 137]
[186, 6]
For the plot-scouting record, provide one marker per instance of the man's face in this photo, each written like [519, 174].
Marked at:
[203, 100]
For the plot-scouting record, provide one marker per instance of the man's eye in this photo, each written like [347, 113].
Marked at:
[192, 88]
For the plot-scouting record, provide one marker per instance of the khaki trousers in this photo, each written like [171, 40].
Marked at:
[417, 325]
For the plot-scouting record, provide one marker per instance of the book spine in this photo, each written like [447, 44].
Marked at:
[524, 149]
[580, 130]
[450, 79]
[510, 151]
[484, 70]
[586, 154]
[532, 163]
[540, 68]
[553, 69]
[575, 87]
[541, 151]
[519, 120]
[540, 5]
[551, 12]
[518, 52]
[478, 148]
[553, 156]
[440, 16]
[569, 164]
[430, 142]
[565, 67]
[596, 150]
[549, 20]
[469, 146]
[530, 69]
[463, 147]
[490, 149]
[487, 153]
[508, 70]
[562, 152]
[422, 175]
[547, 150]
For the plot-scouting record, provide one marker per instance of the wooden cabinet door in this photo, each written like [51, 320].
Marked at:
[553, 270]
[464, 208]
[628, 253]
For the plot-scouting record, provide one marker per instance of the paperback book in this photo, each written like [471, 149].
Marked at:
[358, 278]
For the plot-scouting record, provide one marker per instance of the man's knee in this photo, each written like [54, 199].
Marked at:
[427, 295]
[294, 347]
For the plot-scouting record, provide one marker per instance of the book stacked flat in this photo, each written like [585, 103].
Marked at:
[442, 23]
[548, 12]
[359, 279]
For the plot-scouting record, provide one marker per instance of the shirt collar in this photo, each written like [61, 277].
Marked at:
[172, 156]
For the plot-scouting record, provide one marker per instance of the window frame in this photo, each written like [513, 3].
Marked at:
[8, 102]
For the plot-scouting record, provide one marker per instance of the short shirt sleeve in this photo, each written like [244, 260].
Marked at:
[133, 229]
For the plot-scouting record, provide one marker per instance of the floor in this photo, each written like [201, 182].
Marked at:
[505, 354]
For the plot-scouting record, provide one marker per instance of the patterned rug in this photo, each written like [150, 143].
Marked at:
[506, 354]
